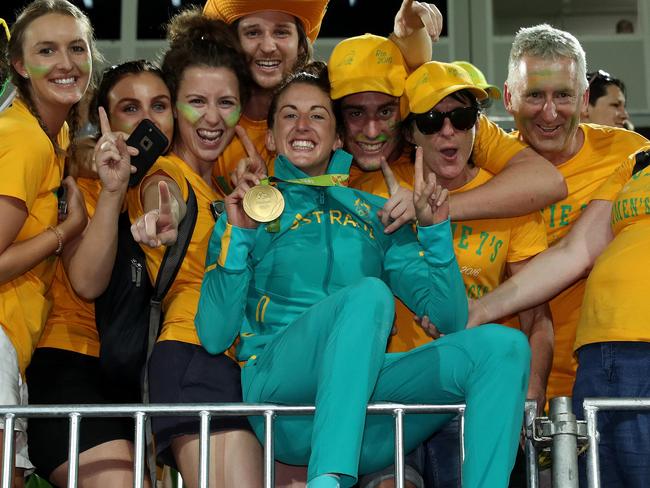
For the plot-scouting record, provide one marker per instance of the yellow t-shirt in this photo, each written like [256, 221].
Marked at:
[494, 147]
[616, 305]
[234, 152]
[31, 172]
[71, 323]
[603, 151]
[373, 181]
[180, 303]
[483, 248]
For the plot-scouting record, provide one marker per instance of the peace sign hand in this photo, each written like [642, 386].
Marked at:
[112, 157]
[430, 199]
[253, 164]
[399, 209]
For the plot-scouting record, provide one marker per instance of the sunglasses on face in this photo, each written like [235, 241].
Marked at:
[432, 121]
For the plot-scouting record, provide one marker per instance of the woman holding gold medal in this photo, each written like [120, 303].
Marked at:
[208, 80]
[310, 295]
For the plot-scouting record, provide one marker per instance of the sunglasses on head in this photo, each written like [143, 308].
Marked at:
[462, 118]
[599, 75]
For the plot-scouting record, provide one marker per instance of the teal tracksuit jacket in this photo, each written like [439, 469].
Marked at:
[313, 306]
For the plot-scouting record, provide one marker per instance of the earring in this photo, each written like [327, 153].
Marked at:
[26, 76]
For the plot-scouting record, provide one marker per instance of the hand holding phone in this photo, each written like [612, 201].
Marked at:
[61, 195]
[150, 143]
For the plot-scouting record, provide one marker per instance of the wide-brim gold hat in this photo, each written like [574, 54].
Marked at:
[309, 12]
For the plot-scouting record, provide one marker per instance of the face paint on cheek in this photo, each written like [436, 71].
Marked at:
[37, 72]
[233, 117]
[380, 138]
[189, 113]
[122, 126]
[86, 66]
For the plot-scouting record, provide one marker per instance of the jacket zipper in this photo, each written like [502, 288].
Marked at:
[328, 241]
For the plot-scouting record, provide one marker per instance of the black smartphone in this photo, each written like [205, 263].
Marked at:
[151, 143]
[61, 195]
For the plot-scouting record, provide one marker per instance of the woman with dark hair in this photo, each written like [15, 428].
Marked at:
[209, 82]
[310, 296]
[50, 53]
[66, 367]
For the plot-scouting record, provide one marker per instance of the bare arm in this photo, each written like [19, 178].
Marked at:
[537, 324]
[551, 271]
[89, 260]
[17, 258]
[528, 183]
[416, 24]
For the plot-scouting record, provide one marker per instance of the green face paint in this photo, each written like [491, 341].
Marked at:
[233, 117]
[188, 112]
[37, 72]
[380, 138]
[86, 66]
[123, 126]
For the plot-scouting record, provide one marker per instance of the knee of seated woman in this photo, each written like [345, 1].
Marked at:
[374, 295]
[503, 342]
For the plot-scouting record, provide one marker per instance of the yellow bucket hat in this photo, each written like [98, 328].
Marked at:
[433, 81]
[366, 63]
[479, 80]
[310, 12]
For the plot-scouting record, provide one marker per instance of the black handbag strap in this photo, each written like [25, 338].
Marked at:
[642, 160]
[171, 264]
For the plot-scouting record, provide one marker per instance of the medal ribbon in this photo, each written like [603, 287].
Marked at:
[320, 180]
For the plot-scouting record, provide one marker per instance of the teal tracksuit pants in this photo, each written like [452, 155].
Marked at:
[333, 356]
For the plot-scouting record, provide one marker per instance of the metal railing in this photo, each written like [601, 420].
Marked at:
[76, 413]
[591, 408]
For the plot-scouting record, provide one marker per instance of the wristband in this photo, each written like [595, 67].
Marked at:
[59, 238]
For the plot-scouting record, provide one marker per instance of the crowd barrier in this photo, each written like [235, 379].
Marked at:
[560, 431]
[140, 413]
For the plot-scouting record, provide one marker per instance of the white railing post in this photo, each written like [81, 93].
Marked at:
[204, 449]
[73, 450]
[138, 461]
[593, 468]
[8, 451]
[399, 447]
[532, 472]
[269, 456]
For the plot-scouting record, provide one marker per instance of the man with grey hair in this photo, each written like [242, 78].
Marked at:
[546, 91]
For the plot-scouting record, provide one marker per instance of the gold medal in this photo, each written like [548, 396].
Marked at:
[263, 203]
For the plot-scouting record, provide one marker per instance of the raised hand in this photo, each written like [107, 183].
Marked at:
[113, 157]
[398, 210]
[415, 15]
[158, 226]
[430, 199]
[235, 202]
[253, 163]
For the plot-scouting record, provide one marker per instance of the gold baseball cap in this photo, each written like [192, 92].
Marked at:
[366, 63]
[6, 28]
[433, 81]
[310, 12]
[479, 80]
